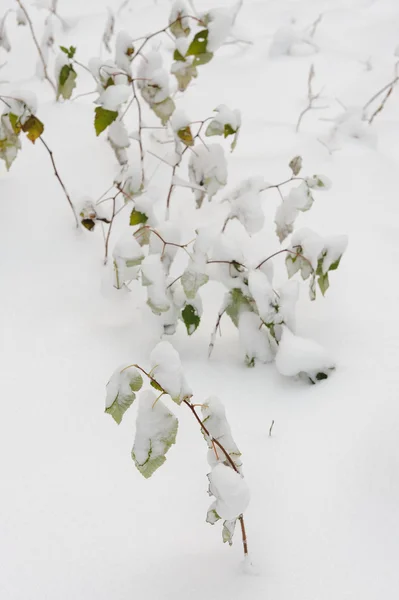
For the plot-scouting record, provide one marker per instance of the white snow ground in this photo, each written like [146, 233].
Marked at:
[77, 520]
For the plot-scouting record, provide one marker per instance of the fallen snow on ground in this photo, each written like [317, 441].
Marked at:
[77, 520]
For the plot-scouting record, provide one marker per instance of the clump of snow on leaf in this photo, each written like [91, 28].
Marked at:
[214, 419]
[167, 370]
[246, 206]
[230, 490]
[156, 430]
[208, 169]
[121, 389]
[297, 355]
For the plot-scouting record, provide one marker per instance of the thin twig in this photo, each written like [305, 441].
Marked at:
[311, 98]
[271, 428]
[315, 25]
[390, 88]
[46, 75]
[60, 180]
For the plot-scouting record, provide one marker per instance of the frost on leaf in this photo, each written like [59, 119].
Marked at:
[230, 490]
[121, 390]
[207, 169]
[299, 356]
[156, 430]
[215, 420]
[168, 372]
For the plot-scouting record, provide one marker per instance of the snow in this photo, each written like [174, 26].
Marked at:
[156, 429]
[124, 51]
[168, 372]
[231, 492]
[299, 355]
[208, 168]
[77, 519]
[114, 96]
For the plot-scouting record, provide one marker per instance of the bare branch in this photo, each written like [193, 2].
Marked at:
[46, 75]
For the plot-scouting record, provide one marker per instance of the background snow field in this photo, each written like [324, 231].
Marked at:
[77, 519]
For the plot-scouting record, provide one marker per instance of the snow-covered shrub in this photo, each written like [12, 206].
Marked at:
[157, 427]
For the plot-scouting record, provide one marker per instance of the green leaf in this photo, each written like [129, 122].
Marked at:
[66, 82]
[199, 43]
[137, 217]
[121, 390]
[156, 385]
[238, 303]
[228, 130]
[191, 318]
[33, 128]
[103, 119]
[202, 59]
[156, 430]
[178, 56]
[70, 52]
[324, 283]
[88, 224]
[15, 123]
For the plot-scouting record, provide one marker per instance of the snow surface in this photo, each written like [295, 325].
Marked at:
[77, 520]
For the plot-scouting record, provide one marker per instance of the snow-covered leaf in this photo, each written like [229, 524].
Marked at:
[192, 279]
[230, 490]
[156, 430]
[168, 372]
[121, 390]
